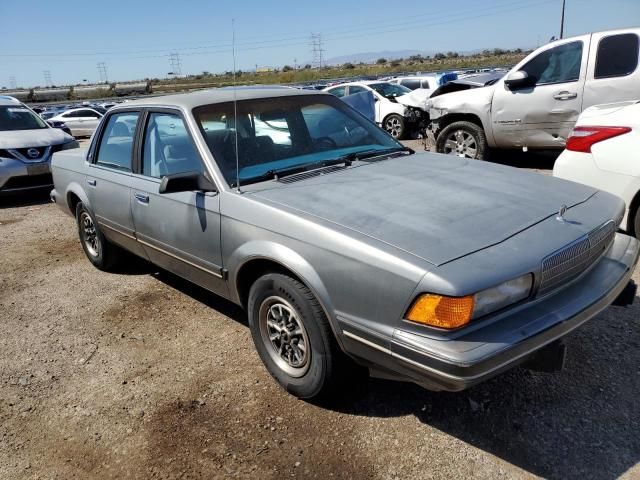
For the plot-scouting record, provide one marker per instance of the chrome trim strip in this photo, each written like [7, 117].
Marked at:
[366, 342]
[206, 270]
[117, 230]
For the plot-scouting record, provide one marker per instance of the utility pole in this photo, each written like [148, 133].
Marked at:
[174, 61]
[12, 82]
[102, 72]
[316, 49]
[562, 20]
[47, 78]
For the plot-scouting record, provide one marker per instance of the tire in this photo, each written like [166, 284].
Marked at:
[284, 315]
[100, 252]
[463, 139]
[394, 125]
[636, 223]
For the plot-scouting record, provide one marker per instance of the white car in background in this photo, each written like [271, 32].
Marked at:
[602, 152]
[81, 121]
[426, 83]
[398, 110]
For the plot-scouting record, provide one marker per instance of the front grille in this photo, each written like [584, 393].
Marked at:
[567, 264]
[28, 181]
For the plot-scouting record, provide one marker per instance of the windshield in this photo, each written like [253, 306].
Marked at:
[285, 133]
[19, 117]
[389, 90]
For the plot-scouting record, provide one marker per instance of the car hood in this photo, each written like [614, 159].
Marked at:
[416, 98]
[472, 97]
[42, 137]
[435, 207]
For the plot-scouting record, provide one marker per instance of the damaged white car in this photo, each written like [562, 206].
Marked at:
[398, 110]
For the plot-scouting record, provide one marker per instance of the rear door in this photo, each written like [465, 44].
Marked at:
[612, 72]
[542, 115]
[179, 231]
[108, 181]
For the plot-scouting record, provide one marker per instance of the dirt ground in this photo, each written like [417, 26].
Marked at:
[142, 375]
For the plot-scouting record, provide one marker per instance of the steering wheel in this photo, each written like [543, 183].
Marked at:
[325, 143]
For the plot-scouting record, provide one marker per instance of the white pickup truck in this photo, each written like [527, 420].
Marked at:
[537, 103]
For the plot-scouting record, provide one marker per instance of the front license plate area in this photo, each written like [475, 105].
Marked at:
[548, 359]
[40, 169]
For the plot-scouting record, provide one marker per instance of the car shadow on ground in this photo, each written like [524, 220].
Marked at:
[25, 199]
[536, 160]
[581, 422]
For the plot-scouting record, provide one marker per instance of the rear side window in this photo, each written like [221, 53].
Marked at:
[617, 56]
[116, 144]
[338, 91]
[411, 83]
[168, 148]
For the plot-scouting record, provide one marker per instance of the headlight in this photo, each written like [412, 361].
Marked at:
[66, 146]
[437, 112]
[454, 312]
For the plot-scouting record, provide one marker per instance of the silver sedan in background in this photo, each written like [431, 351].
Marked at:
[81, 121]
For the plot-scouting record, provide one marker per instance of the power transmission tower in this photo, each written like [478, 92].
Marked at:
[174, 61]
[12, 82]
[316, 49]
[562, 21]
[102, 71]
[47, 78]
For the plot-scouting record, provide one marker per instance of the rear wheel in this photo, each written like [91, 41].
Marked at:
[292, 335]
[100, 252]
[463, 139]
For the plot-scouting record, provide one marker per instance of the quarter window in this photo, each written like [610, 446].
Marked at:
[116, 144]
[356, 89]
[560, 64]
[168, 148]
[617, 56]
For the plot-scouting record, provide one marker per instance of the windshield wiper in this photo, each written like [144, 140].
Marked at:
[370, 154]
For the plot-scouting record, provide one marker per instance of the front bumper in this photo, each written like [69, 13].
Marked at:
[459, 362]
[17, 176]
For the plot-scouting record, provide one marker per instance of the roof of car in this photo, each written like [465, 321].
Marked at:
[218, 95]
[7, 100]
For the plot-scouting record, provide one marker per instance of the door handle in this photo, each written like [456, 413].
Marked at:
[91, 181]
[565, 95]
[141, 197]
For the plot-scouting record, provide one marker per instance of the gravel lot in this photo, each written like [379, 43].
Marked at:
[143, 375]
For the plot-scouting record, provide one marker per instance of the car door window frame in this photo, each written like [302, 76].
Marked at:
[140, 137]
[94, 148]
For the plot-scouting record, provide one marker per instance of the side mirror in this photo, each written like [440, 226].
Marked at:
[518, 79]
[186, 182]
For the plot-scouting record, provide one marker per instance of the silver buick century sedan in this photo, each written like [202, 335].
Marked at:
[344, 247]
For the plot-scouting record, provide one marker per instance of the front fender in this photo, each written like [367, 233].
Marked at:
[289, 259]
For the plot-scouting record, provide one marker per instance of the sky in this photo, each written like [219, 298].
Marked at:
[135, 38]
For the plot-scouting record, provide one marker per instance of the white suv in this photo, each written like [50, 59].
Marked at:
[398, 110]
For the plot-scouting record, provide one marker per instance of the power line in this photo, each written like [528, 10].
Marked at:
[47, 78]
[102, 72]
[369, 26]
[174, 61]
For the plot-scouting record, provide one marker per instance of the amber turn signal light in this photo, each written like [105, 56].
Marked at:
[440, 311]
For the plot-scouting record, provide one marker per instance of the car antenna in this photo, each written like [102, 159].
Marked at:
[235, 102]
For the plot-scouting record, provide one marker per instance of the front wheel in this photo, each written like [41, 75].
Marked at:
[463, 139]
[395, 125]
[636, 224]
[292, 335]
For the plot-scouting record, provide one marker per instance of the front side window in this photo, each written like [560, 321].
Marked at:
[168, 148]
[356, 89]
[19, 118]
[560, 64]
[389, 90]
[617, 56]
[116, 144]
[285, 133]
